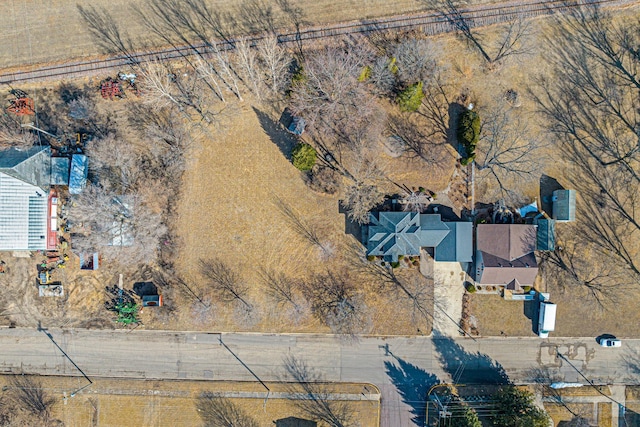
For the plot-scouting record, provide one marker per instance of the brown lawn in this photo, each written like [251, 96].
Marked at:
[38, 31]
[149, 403]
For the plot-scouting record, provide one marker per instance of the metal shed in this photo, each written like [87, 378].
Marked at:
[564, 205]
[78, 174]
[546, 235]
[60, 167]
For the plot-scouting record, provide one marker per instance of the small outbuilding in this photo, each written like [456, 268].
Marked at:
[546, 234]
[60, 167]
[564, 205]
[78, 174]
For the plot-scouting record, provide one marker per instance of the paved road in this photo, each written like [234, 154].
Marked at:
[403, 368]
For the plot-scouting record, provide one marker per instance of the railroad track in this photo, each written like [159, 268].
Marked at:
[430, 22]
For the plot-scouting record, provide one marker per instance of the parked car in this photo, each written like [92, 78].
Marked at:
[609, 342]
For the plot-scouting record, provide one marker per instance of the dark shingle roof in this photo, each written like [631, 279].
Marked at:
[31, 165]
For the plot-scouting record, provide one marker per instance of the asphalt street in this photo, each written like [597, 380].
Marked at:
[402, 367]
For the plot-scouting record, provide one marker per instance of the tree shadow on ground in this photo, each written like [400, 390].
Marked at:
[354, 229]
[531, 310]
[281, 138]
[468, 368]
[413, 384]
[446, 212]
[455, 109]
[547, 186]
[145, 288]
[294, 422]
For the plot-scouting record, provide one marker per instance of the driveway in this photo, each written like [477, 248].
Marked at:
[447, 295]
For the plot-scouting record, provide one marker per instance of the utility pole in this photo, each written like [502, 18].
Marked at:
[30, 125]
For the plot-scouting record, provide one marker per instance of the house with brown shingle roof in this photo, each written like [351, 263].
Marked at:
[505, 255]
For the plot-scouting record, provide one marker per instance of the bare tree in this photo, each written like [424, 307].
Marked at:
[215, 410]
[249, 67]
[409, 290]
[507, 152]
[225, 281]
[276, 62]
[28, 394]
[162, 86]
[415, 60]
[330, 92]
[383, 75]
[286, 295]
[121, 228]
[171, 141]
[334, 300]
[315, 399]
[12, 135]
[360, 198]
[364, 192]
[82, 108]
[510, 43]
[591, 107]
[115, 163]
[571, 267]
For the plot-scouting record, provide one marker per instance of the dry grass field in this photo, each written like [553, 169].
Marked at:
[41, 31]
[116, 403]
[230, 209]
[239, 177]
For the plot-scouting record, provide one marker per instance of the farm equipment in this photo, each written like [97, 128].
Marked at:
[21, 104]
[44, 277]
[111, 88]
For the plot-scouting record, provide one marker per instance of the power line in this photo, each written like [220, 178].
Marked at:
[624, 408]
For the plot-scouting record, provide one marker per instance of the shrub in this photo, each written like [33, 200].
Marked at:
[526, 289]
[383, 263]
[303, 157]
[469, 128]
[468, 133]
[416, 262]
[370, 258]
[470, 288]
[395, 264]
[411, 98]
[400, 257]
[393, 67]
[466, 160]
[365, 74]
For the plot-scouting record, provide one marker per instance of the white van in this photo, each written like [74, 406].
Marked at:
[547, 318]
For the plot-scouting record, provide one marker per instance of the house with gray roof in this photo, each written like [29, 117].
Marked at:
[564, 205]
[391, 234]
[24, 191]
[505, 255]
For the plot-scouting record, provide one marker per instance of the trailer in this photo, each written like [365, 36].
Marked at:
[546, 318]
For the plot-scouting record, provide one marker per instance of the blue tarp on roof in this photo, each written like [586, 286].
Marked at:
[533, 207]
[79, 172]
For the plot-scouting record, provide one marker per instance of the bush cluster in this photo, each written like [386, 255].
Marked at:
[303, 157]
[468, 133]
[411, 98]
